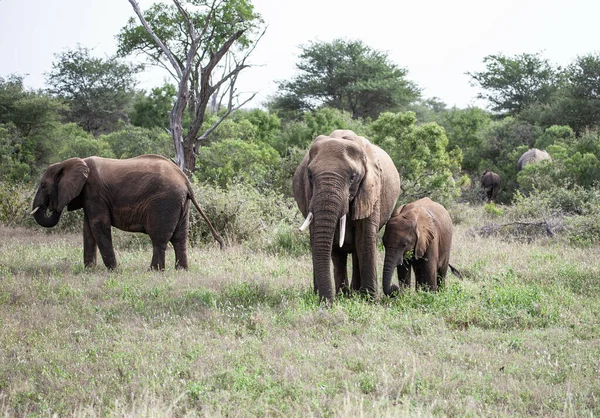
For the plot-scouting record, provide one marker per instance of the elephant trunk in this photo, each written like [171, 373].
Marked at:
[41, 216]
[390, 263]
[327, 210]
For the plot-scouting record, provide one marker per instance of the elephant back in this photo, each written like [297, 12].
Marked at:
[532, 155]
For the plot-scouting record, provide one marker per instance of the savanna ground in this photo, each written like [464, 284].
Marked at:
[241, 334]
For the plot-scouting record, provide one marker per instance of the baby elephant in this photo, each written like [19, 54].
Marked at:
[424, 228]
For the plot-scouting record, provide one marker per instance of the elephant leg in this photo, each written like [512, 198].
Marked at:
[366, 249]
[103, 235]
[355, 272]
[340, 271]
[89, 244]
[441, 275]
[179, 241]
[159, 248]
[426, 275]
[404, 273]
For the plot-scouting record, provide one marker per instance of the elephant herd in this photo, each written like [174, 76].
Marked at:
[490, 181]
[345, 186]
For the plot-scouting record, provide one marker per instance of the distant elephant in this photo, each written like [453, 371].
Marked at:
[532, 155]
[146, 194]
[424, 228]
[345, 186]
[490, 184]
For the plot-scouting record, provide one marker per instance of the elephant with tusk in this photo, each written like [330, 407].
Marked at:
[346, 188]
[146, 194]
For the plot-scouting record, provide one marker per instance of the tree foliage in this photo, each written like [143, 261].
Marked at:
[511, 84]
[98, 91]
[420, 154]
[346, 75]
[204, 47]
[152, 110]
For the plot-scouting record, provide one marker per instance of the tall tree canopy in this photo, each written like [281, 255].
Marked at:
[511, 84]
[346, 75]
[204, 46]
[98, 90]
[582, 104]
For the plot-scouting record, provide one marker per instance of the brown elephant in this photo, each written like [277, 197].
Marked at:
[347, 187]
[425, 228]
[146, 194]
[490, 184]
[531, 156]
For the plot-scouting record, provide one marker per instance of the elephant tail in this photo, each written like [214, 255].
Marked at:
[214, 233]
[455, 271]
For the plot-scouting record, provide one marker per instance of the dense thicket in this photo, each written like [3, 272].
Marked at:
[439, 151]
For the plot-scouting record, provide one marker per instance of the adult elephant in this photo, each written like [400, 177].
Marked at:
[146, 194]
[490, 184]
[346, 187]
[418, 236]
[531, 156]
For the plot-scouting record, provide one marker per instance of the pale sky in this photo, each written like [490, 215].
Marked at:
[438, 41]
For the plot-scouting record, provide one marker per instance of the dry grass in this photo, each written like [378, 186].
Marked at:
[241, 334]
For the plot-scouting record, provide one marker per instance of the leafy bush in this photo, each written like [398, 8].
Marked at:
[584, 231]
[241, 214]
[419, 152]
[234, 160]
[15, 199]
[133, 141]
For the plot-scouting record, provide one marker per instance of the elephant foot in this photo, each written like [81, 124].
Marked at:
[394, 291]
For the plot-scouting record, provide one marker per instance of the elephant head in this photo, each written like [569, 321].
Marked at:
[59, 186]
[340, 177]
[409, 229]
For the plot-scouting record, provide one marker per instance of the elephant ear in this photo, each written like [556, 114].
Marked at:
[425, 232]
[368, 193]
[301, 185]
[72, 175]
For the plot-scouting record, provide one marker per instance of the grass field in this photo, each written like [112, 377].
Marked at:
[241, 334]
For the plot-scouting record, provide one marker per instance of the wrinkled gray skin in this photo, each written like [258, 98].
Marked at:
[425, 228]
[490, 184]
[531, 156]
[146, 194]
[345, 175]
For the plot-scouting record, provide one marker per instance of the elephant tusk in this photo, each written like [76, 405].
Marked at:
[342, 230]
[35, 210]
[307, 222]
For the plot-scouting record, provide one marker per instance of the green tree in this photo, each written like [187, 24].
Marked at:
[420, 154]
[204, 50]
[31, 112]
[234, 160]
[76, 142]
[465, 129]
[346, 75]
[152, 110]
[582, 103]
[511, 84]
[132, 141]
[99, 91]
[28, 119]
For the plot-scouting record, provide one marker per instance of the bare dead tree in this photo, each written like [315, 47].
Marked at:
[196, 74]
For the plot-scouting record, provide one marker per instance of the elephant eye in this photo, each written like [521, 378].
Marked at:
[310, 176]
[352, 177]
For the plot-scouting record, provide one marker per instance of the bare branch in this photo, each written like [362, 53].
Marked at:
[162, 46]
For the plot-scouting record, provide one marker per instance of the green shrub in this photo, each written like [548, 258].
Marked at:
[15, 200]
[241, 214]
[584, 231]
[492, 209]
